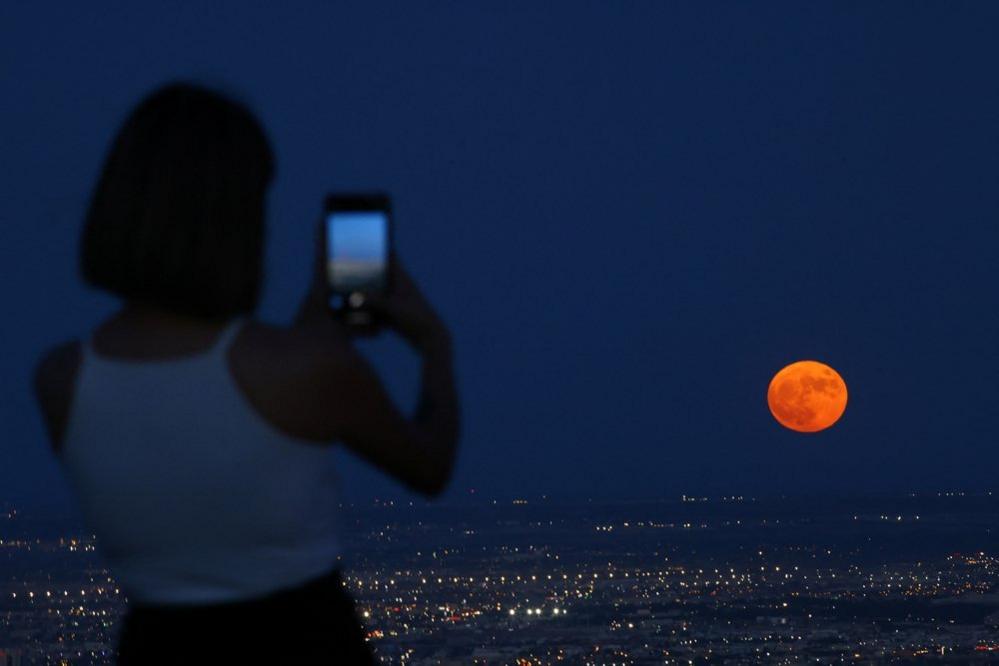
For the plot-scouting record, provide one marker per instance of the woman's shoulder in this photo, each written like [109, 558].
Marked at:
[291, 349]
[53, 381]
[284, 372]
[278, 369]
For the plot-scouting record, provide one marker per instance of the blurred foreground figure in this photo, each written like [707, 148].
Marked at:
[197, 439]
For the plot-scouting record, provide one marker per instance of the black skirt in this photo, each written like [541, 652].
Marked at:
[315, 623]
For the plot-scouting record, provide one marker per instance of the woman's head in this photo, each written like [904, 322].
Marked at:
[177, 217]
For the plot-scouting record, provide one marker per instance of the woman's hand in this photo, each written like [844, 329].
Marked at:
[314, 309]
[405, 310]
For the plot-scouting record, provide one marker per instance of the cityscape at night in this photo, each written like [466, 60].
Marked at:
[499, 333]
[695, 580]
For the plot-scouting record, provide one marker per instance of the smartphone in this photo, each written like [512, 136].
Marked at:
[358, 251]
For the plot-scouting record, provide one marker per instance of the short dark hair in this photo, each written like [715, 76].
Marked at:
[177, 217]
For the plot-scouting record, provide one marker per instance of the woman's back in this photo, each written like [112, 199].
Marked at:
[196, 497]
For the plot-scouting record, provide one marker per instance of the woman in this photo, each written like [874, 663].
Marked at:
[197, 439]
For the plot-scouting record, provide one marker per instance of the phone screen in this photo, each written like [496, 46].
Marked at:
[357, 251]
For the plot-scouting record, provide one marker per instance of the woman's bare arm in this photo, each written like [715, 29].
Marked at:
[351, 404]
[53, 382]
[420, 450]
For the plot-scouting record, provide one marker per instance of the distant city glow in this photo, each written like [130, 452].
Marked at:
[642, 592]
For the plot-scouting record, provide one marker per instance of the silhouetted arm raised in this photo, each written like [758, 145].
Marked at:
[342, 397]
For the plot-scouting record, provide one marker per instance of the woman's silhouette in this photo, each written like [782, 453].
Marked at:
[197, 439]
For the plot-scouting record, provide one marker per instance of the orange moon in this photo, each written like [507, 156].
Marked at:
[807, 396]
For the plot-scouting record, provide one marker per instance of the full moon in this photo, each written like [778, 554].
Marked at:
[807, 396]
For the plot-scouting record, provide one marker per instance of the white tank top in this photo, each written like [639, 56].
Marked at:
[193, 496]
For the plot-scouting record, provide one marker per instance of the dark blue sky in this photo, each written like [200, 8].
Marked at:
[631, 213]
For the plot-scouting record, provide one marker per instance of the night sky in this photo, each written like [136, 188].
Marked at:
[632, 214]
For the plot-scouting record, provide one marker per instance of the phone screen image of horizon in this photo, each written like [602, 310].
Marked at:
[357, 250]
